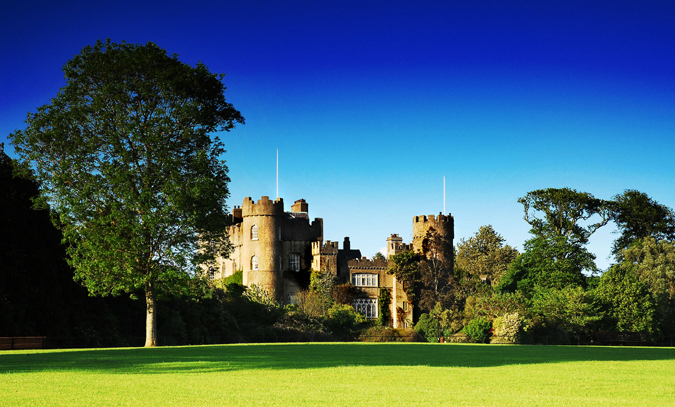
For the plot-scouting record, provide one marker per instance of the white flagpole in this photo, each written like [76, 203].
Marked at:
[443, 195]
[277, 173]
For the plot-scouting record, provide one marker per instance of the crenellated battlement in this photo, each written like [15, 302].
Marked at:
[327, 248]
[432, 219]
[264, 207]
[365, 263]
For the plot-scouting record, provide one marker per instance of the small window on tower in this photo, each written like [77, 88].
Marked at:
[254, 232]
[254, 263]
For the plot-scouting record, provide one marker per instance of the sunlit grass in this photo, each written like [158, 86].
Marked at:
[341, 374]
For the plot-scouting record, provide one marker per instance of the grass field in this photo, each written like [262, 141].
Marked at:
[340, 374]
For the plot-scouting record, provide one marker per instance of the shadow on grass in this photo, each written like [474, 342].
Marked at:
[223, 358]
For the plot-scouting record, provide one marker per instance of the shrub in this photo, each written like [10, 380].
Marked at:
[343, 321]
[478, 329]
[508, 329]
[429, 327]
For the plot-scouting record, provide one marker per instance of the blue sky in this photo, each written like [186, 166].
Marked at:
[371, 103]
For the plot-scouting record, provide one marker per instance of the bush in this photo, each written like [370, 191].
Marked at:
[343, 321]
[429, 327]
[478, 329]
[508, 329]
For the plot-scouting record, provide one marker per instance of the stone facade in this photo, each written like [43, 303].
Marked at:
[269, 242]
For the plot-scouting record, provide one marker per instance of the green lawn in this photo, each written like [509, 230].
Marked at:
[340, 374]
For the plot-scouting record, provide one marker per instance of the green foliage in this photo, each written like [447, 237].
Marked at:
[484, 254]
[312, 303]
[627, 302]
[478, 329]
[654, 263]
[496, 305]
[563, 209]
[429, 327]
[236, 278]
[124, 157]
[637, 216]
[570, 308]
[383, 303]
[405, 267]
[322, 282]
[343, 321]
[263, 297]
[548, 263]
[438, 322]
[379, 256]
[508, 329]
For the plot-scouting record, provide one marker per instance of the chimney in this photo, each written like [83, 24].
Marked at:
[300, 206]
[236, 212]
[346, 246]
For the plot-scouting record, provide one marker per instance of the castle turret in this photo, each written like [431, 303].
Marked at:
[395, 245]
[444, 225]
[261, 257]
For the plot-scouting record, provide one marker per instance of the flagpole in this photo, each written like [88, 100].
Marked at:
[277, 173]
[443, 195]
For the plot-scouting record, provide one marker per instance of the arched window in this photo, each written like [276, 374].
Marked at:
[254, 232]
[254, 263]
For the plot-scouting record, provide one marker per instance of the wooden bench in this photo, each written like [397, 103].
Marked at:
[23, 342]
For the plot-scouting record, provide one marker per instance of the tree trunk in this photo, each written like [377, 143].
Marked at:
[150, 319]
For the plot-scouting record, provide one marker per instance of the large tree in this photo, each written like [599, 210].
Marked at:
[638, 216]
[484, 254]
[125, 157]
[564, 210]
[562, 222]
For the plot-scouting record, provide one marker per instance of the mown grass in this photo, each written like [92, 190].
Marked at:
[340, 374]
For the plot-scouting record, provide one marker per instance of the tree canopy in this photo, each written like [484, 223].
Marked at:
[638, 216]
[563, 209]
[125, 157]
[484, 254]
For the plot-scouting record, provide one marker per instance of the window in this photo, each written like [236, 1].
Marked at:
[212, 273]
[254, 263]
[365, 280]
[254, 232]
[366, 306]
[295, 262]
[405, 305]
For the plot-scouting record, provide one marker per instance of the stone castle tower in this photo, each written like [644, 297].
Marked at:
[444, 225]
[261, 226]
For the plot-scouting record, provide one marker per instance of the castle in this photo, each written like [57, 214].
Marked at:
[269, 242]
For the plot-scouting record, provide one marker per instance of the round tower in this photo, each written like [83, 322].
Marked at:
[261, 254]
[444, 225]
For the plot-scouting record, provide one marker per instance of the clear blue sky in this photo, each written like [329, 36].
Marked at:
[371, 103]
